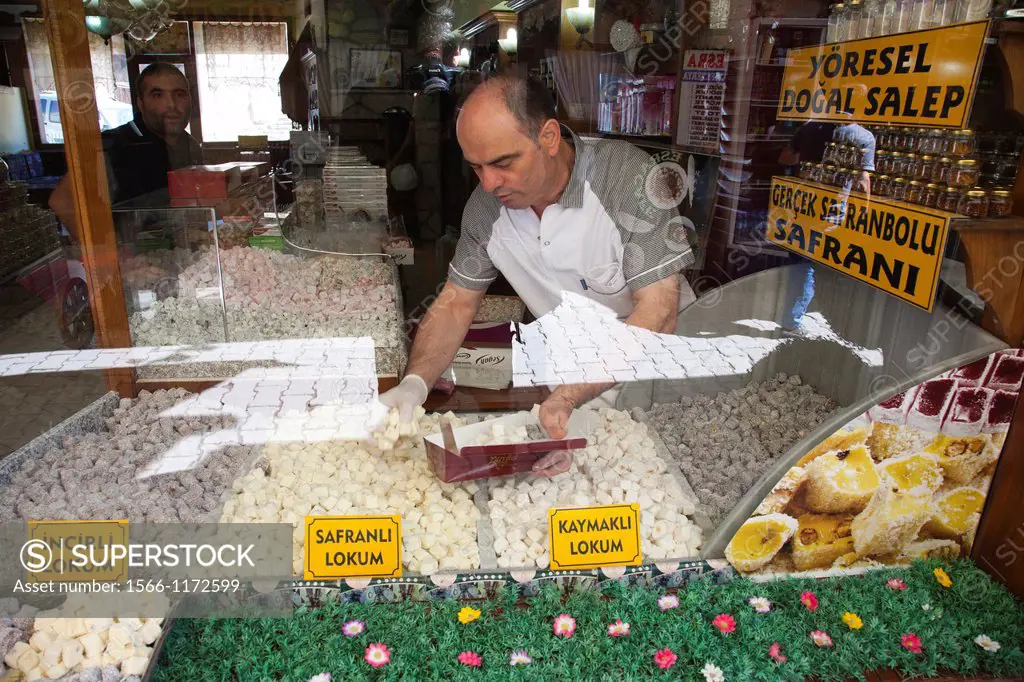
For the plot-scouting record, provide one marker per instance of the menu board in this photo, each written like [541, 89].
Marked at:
[700, 99]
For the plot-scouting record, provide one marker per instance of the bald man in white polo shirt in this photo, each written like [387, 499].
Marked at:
[552, 213]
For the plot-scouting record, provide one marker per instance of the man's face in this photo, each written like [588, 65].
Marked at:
[165, 103]
[510, 165]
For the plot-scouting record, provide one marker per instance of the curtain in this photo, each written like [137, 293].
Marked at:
[238, 67]
[104, 57]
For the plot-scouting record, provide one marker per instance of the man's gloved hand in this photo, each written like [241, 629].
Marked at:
[407, 396]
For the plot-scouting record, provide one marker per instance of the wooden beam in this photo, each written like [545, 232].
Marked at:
[76, 96]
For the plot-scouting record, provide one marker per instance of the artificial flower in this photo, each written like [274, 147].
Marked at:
[809, 600]
[665, 659]
[725, 623]
[322, 677]
[519, 657]
[911, 642]
[775, 651]
[987, 643]
[760, 604]
[668, 601]
[821, 638]
[353, 628]
[471, 659]
[712, 673]
[942, 577]
[377, 655]
[926, 607]
[618, 629]
[853, 621]
[896, 584]
[564, 625]
[468, 614]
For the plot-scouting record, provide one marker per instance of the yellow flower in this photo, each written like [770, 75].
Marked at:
[853, 621]
[942, 577]
[468, 614]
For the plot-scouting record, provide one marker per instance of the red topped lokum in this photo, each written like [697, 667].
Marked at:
[933, 400]
[973, 374]
[1000, 412]
[966, 415]
[1006, 374]
[895, 409]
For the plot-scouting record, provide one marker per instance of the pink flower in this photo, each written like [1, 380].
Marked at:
[667, 602]
[471, 659]
[564, 625]
[725, 623]
[896, 584]
[519, 657]
[821, 638]
[618, 629]
[665, 659]
[911, 643]
[760, 604]
[377, 655]
[775, 651]
[809, 600]
[353, 628]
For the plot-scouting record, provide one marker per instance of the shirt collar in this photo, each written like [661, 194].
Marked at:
[572, 196]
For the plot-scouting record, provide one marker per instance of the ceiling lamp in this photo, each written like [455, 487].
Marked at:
[510, 43]
[582, 19]
[140, 20]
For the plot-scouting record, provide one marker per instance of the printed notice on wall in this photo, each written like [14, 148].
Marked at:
[700, 99]
[921, 78]
[892, 246]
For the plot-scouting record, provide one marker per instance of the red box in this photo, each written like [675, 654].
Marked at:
[204, 182]
[451, 463]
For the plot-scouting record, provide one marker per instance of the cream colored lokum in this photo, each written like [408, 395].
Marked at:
[841, 481]
[890, 522]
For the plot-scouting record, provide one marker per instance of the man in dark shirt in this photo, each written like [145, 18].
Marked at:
[140, 153]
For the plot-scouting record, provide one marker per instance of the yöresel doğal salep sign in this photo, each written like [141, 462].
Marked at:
[922, 78]
[893, 246]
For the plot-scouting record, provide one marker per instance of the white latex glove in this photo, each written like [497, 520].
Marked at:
[407, 396]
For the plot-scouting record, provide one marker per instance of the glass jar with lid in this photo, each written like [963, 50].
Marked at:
[880, 186]
[897, 164]
[932, 192]
[854, 14]
[964, 173]
[912, 166]
[902, 16]
[915, 192]
[898, 189]
[909, 138]
[920, 14]
[961, 143]
[943, 13]
[871, 19]
[842, 178]
[949, 199]
[940, 170]
[925, 168]
[828, 174]
[836, 22]
[929, 141]
[830, 152]
[972, 10]
[973, 203]
[1000, 202]
[805, 170]
[883, 139]
[1006, 168]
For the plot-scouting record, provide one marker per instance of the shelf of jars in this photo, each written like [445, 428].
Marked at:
[960, 171]
[857, 19]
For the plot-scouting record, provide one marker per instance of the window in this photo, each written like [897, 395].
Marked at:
[113, 94]
[238, 66]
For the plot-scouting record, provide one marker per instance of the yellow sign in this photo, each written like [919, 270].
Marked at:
[75, 551]
[353, 547]
[593, 537]
[922, 78]
[892, 246]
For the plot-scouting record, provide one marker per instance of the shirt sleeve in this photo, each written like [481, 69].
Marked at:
[471, 267]
[642, 197]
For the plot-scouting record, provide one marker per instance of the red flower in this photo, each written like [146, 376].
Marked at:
[725, 623]
[665, 659]
[775, 651]
[911, 643]
[896, 584]
[809, 600]
[471, 659]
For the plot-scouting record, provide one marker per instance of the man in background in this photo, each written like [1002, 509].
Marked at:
[140, 153]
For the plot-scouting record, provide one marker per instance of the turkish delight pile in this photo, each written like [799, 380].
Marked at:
[292, 481]
[100, 475]
[725, 443]
[621, 465]
[271, 295]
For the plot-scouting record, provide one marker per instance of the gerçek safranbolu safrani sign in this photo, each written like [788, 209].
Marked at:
[921, 78]
[892, 246]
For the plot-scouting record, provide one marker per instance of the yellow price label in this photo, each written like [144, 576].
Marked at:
[76, 551]
[353, 547]
[594, 537]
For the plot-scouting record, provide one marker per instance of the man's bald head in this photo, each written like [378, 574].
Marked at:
[527, 100]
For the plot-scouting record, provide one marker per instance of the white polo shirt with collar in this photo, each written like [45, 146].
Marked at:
[604, 238]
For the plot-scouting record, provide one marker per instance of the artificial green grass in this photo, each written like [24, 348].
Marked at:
[425, 638]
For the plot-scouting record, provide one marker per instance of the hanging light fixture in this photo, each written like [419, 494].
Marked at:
[582, 19]
[510, 43]
[140, 20]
